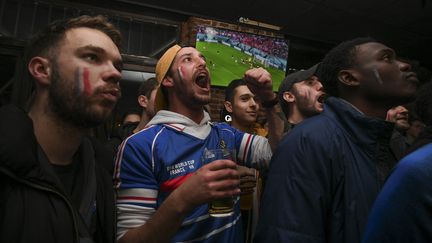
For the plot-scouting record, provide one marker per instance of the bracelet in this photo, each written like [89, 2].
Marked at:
[270, 103]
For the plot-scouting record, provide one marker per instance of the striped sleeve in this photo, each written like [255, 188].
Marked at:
[134, 207]
[137, 188]
[253, 150]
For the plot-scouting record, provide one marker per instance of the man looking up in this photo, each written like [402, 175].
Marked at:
[326, 174]
[52, 187]
[301, 96]
[163, 185]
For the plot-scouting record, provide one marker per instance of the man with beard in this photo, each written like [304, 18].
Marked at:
[52, 185]
[301, 96]
[325, 176]
[163, 185]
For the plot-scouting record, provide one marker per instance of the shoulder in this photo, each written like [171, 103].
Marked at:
[317, 129]
[148, 134]
[225, 127]
[416, 166]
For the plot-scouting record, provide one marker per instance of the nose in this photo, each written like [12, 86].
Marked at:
[403, 66]
[319, 86]
[201, 61]
[112, 74]
[253, 103]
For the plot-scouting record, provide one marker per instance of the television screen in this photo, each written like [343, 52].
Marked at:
[230, 53]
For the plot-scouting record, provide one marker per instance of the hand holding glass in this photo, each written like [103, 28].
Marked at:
[225, 206]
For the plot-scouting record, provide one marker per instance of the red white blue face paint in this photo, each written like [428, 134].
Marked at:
[180, 73]
[83, 81]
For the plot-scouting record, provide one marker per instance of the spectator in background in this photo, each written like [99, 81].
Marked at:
[52, 186]
[414, 130]
[423, 107]
[398, 142]
[146, 98]
[402, 211]
[163, 186]
[241, 109]
[131, 116]
[325, 176]
[301, 96]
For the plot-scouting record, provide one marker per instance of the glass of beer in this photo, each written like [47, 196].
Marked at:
[225, 206]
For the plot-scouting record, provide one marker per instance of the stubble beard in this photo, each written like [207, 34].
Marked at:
[70, 105]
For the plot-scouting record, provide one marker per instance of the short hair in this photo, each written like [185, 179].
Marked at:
[341, 57]
[230, 90]
[147, 87]
[45, 42]
[423, 103]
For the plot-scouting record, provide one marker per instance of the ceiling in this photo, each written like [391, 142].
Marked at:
[403, 25]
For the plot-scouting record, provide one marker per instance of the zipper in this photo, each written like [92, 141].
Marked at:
[42, 188]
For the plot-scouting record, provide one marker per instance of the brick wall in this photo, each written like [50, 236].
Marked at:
[216, 103]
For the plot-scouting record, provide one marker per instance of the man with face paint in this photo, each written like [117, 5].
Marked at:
[53, 186]
[163, 186]
[301, 96]
[327, 173]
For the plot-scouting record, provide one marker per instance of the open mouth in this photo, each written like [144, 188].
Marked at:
[322, 98]
[202, 80]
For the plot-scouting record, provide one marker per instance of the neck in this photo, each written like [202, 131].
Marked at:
[371, 109]
[59, 140]
[242, 127]
[193, 112]
[294, 116]
[143, 122]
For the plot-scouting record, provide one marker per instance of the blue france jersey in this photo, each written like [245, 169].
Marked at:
[155, 161]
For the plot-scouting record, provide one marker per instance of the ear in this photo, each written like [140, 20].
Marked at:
[288, 97]
[143, 101]
[168, 82]
[228, 106]
[40, 70]
[348, 77]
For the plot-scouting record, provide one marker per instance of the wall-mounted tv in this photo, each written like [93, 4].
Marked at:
[230, 53]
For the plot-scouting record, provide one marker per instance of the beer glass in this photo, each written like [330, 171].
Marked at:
[225, 206]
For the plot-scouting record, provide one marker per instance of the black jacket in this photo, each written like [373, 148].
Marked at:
[325, 176]
[33, 205]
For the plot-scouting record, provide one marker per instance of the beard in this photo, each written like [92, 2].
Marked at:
[306, 107]
[187, 95]
[71, 105]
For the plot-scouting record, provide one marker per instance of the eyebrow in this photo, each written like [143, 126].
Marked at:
[386, 51]
[117, 63]
[190, 54]
[247, 95]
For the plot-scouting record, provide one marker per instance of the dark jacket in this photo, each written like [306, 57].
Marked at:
[119, 134]
[33, 205]
[425, 137]
[402, 211]
[325, 176]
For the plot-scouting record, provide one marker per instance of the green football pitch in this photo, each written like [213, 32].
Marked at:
[226, 63]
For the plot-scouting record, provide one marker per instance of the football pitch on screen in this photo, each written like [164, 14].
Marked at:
[226, 64]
